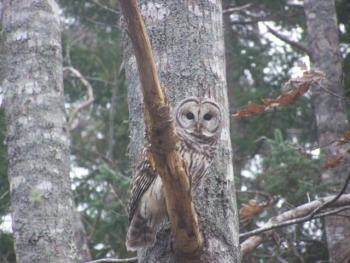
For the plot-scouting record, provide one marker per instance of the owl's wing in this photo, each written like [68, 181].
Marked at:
[144, 177]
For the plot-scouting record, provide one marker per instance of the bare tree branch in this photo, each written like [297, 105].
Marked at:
[250, 21]
[325, 202]
[332, 200]
[287, 40]
[236, 9]
[106, 260]
[84, 104]
[299, 214]
[4, 195]
[96, 2]
[271, 226]
[163, 137]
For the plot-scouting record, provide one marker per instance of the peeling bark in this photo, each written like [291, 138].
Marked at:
[38, 140]
[329, 110]
[188, 48]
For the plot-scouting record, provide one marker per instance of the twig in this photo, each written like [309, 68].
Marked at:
[287, 40]
[250, 21]
[111, 163]
[115, 193]
[236, 8]
[96, 2]
[4, 195]
[100, 24]
[114, 260]
[333, 93]
[94, 225]
[291, 222]
[89, 93]
[106, 82]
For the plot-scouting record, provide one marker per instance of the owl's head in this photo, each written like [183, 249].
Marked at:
[200, 117]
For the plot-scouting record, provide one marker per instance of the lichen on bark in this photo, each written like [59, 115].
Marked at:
[38, 139]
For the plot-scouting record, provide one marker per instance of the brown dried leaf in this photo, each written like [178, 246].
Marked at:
[332, 163]
[241, 114]
[255, 108]
[252, 108]
[291, 91]
[347, 135]
[252, 209]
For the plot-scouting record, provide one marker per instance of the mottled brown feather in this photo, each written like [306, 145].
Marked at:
[144, 177]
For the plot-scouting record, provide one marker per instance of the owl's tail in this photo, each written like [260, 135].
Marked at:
[141, 233]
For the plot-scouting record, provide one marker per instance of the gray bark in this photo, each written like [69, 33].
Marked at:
[187, 41]
[329, 111]
[38, 140]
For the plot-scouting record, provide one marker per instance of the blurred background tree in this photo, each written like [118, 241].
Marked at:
[275, 152]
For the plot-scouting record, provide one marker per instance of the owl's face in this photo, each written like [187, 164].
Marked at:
[200, 117]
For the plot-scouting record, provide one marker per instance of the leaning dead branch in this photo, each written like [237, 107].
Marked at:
[72, 123]
[297, 215]
[262, 234]
[236, 9]
[270, 226]
[163, 138]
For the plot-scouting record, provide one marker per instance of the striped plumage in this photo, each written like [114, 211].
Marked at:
[198, 123]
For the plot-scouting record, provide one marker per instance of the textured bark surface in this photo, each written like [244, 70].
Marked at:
[38, 141]
[187, 41]
[329, 110]
[163, 139]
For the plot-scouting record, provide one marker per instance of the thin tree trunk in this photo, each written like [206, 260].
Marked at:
[38, 140]
[237, 132]
[187, 41]
[329, 110]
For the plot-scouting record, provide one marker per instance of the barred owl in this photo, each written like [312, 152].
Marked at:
[198, 124]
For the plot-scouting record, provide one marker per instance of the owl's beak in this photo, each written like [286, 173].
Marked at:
[198, 127]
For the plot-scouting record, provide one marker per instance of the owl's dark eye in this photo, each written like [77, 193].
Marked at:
[189, 115]
[207, 116]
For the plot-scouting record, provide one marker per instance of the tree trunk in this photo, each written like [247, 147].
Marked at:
[187, 41]
[233, 88]
[38, 139]
[329, 110]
